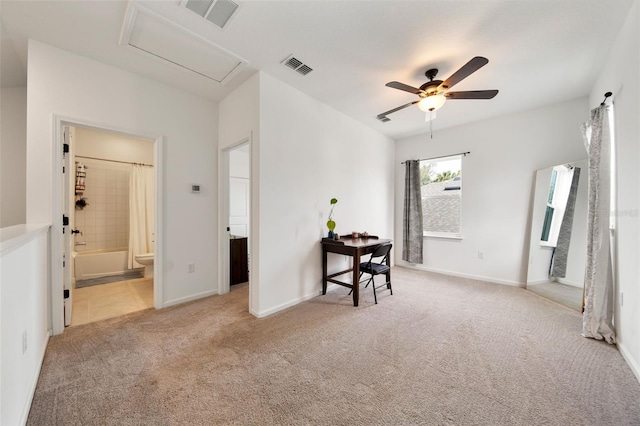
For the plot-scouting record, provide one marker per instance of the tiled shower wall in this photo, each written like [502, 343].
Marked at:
[104, 222]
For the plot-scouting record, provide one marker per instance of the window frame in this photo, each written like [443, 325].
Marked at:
[441, 234]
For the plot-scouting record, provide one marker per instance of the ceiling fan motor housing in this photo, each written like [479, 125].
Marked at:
[431, 87]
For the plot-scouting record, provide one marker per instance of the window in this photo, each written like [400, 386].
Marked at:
[441, 180]
[559, 188]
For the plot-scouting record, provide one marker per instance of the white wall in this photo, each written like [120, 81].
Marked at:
[310, 153]
[239, 163]
[78, 88]
[303, 153]
[239, 121]
[13, 152]
[621, 75]
[112, 146]
[23, 317]
[497, 194]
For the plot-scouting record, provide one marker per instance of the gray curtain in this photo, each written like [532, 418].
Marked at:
[597, 319]
[412, 218]
[561, 252]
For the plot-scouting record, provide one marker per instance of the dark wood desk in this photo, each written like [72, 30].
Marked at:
[350, 247]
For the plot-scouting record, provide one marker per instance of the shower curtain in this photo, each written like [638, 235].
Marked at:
[141, 212]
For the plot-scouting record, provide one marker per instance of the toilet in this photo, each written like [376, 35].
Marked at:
[146, 259]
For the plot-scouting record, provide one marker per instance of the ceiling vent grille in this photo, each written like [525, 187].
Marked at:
[218, 12]
[297, 65]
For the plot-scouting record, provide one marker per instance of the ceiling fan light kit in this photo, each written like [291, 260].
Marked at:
[432, 102]
[434, 93]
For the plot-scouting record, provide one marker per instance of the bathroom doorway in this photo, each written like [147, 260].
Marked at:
[236, 214]
[239, 203]
[112, 223]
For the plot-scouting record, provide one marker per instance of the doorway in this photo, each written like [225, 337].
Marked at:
[109, 168]
[97, 165]
[236, 214]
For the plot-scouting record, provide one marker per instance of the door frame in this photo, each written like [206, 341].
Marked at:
[56, 303]
[67, 200]
[223, 217]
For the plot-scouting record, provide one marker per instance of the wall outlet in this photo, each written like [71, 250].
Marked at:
[480, 255]
[191, 267]
[24, 342]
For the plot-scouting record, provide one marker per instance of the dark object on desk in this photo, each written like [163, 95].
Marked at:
[354, 248]
[239, 264]
[342, 240]
[378, 268]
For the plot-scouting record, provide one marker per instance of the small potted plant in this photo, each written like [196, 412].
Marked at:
[331, 224]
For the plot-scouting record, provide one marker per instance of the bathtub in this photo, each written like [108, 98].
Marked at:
[100, 263]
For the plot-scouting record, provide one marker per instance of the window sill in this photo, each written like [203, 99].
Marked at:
[443, 236]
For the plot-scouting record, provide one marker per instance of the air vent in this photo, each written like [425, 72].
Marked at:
[218, 12]
[383, 118]
[304, 69]
[297, 65]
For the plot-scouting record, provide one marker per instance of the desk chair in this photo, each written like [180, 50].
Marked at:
[377, 268]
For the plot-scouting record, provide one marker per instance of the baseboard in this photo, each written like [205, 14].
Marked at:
[570, 283]
[34, 382]
[462, 275]
[633, 364]
[286, 305]
[538, 282]
[548, 281]
[189, 298]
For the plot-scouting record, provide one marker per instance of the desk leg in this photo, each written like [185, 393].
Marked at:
[356, 279]
[324, 270]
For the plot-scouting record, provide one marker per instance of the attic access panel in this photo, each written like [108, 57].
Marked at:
[164, 40]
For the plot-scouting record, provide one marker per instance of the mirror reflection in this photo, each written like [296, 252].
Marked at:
[558, 241]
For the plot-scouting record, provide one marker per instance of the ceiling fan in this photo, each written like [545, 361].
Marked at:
[434, 93]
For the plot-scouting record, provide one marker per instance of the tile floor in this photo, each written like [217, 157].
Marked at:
[104, 301]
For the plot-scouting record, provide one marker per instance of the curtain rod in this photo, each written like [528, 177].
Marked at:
[113, 161]
[606, 95]
[442, 156]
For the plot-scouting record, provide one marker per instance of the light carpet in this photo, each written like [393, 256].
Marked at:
[440, 351]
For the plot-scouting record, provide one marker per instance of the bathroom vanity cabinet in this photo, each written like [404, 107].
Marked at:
[239, 268]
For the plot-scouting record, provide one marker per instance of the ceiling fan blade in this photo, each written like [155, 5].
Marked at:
[467, 69]
[405, 87]
[472, 94]
[382, 116]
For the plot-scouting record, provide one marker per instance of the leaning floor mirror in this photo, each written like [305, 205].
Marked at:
[558, 241]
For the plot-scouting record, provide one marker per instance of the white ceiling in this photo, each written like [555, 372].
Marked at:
[540, 51]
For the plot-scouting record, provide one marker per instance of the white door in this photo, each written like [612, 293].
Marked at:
[68, 179]
[239, 206]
